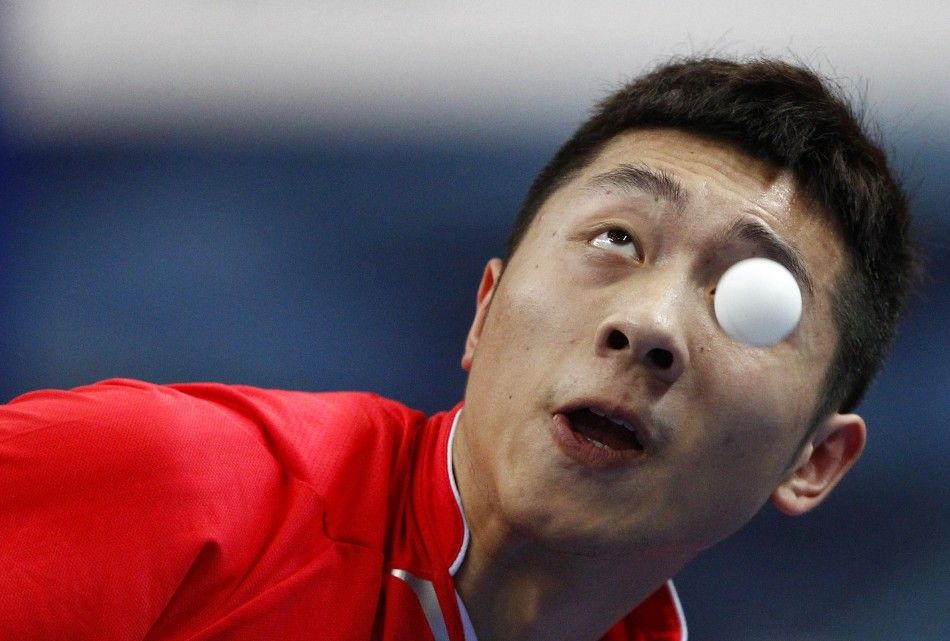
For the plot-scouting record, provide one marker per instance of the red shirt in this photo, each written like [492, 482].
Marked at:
[212, 512]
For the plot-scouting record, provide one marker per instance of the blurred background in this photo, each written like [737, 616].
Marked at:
[303, 195]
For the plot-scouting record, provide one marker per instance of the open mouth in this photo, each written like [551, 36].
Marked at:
[604, 432]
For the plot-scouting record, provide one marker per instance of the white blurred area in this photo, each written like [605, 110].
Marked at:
[103, 70]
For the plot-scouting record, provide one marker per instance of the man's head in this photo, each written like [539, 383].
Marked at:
[606, 307]
[788, 116]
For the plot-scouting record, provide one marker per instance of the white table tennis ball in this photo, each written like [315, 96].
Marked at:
[758, 302]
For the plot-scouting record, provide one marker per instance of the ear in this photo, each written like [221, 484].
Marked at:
[835, 446]
[486, 290]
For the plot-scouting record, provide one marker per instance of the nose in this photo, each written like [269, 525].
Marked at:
[647, 333]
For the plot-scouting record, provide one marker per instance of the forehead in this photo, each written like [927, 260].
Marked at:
[707, 167]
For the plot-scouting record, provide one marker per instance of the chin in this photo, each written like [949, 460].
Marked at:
[561, 527]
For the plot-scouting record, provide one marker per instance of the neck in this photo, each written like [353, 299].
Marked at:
[518, 588]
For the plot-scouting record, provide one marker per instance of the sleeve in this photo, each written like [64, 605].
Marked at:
[114, 496]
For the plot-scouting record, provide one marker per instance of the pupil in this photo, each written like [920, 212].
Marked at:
[617, 236]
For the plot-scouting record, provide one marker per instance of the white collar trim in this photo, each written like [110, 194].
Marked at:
[467, 627]
[466, 535]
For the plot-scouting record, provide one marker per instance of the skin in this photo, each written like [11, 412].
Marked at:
[561, 549]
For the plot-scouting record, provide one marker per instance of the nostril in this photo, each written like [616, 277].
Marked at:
[660, 357]
[617, 340]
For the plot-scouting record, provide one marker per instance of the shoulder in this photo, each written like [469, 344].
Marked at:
[356, 451]
[206, 438]
[127, 492]
[313, 433]
[127, 433]
[189, 447]
[195, 424]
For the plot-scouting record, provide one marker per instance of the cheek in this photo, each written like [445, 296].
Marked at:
[513, 356]
[724, 479]
[772, 385]
[535, 316]
[751, 407]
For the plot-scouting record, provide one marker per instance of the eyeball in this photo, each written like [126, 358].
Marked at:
[758, 302]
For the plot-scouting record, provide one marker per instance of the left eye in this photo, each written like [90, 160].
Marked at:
[617, 240]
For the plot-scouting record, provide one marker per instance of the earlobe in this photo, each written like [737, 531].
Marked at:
[833, 449]
[486, 289]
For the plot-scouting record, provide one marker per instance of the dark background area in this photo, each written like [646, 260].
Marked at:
[345, 265]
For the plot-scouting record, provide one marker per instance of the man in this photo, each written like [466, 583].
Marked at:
[611, 429]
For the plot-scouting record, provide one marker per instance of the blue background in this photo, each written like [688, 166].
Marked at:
[353, 265]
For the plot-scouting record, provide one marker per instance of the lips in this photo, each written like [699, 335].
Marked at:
[599, 436]
[603, 430]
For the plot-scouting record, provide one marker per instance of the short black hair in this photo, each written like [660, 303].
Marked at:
[790, 116]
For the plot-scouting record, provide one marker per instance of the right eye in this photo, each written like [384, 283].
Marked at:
[617, 240]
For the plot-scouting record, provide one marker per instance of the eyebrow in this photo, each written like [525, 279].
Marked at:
[640, 177]
[774, 247]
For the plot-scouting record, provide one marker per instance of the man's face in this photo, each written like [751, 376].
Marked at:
[607, 307]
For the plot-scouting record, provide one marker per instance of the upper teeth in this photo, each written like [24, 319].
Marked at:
[618, 421]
